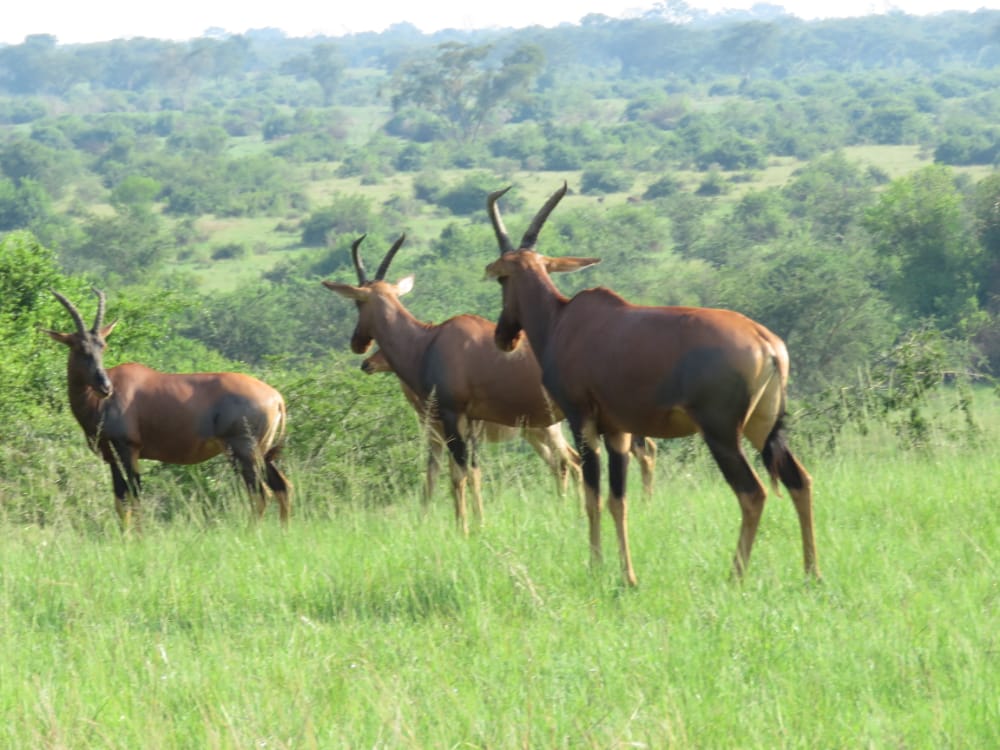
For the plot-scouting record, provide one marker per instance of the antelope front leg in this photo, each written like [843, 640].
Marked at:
[123, 506]
[618, 447]
[126, 483]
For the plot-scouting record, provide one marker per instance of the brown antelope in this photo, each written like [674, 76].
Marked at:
[131, 412]
[614, 368]
[453, 368]
[548, 442]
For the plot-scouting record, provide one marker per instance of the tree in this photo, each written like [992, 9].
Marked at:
[324, 64]
[761, 217]
[921, 233]
[831, 193]
[128, 246]
[461, 86]
[33, 67]
[749, 45]
[985, 204]
[23, 206]
[30, 369]
[986, 213]
[135, 191]
[818, 298]
[28, 159]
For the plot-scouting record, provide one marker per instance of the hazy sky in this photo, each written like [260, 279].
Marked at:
[72, 21]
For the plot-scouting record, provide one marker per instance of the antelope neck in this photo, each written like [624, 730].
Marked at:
[540, 303]
[85, 405]
[403, 340]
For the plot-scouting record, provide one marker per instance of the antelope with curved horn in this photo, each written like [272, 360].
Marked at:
[453, 368]
[614, 368]
[548, 442]
[131, 411]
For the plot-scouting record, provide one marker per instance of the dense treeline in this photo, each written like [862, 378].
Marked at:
[156, 170]
[669, 40]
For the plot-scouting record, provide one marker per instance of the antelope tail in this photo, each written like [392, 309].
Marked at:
[775, 453]
[275, 438]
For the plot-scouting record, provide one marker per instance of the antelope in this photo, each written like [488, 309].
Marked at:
[454, 370]
[548, 442]
[131, 411]
[614, 368]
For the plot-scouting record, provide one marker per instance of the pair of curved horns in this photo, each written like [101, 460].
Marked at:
[383, 267]
[77, 318]
[530, 237]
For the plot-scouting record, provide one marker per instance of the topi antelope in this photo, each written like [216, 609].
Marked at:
[548, 442]
[614, 368]
[131, 412]
[453, 368]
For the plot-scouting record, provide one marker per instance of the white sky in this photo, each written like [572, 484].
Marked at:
[76, 21]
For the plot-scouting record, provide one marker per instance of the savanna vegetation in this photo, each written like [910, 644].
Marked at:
[835, 180]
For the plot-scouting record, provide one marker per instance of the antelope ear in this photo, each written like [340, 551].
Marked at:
[356, 293]
[495, 270]
[565, 265]
[404, 285]
[106, 330]
[62, 338]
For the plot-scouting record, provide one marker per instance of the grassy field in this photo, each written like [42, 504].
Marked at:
[371, 623]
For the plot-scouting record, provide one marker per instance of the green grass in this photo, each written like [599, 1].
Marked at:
[371, 623]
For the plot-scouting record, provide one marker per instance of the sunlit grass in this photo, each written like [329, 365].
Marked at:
[371, 622]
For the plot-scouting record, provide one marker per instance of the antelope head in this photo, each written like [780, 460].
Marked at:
[517, 263]
[86, 358]
[370, 295]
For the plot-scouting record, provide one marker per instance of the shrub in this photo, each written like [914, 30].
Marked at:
[663, 188]
[713, 184]
[559, 156]
[346, 214]
[605, 180]
[230, 251]
[468, 196]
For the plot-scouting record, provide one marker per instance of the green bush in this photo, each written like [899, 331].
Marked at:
[605, 179]
[230, 251]
[663, 188]
[346, 214]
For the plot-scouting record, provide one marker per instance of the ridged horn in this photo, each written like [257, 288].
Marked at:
[80, 327]
[99, 318]
[384, 265]
[503, 239]
[531, 236]
[356, 257]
